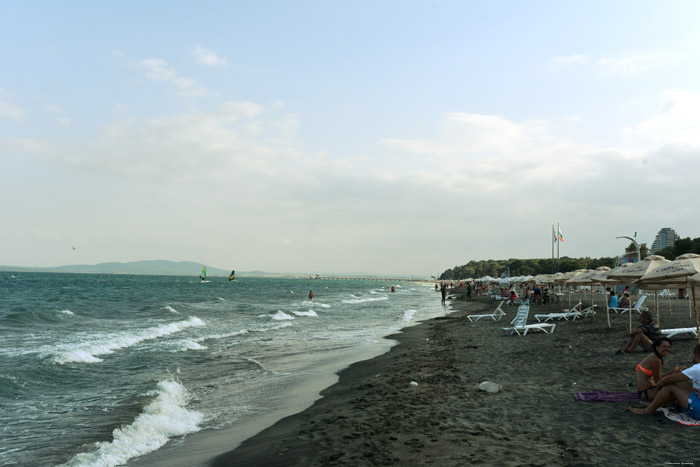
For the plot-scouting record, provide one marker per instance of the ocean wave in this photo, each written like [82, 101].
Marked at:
[305, 313]
[164, 418]
[87, 352]
[281, 316]
[170, 309]
[187, 344]
[408, 315]
[65, 312]
[363, 300]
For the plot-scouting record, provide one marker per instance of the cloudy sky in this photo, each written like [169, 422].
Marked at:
[391, 137]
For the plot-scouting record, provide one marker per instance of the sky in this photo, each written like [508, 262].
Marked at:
[391, 137]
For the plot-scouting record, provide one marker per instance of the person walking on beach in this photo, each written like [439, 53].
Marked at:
[675, 387]
[643, 335]
[443, 291]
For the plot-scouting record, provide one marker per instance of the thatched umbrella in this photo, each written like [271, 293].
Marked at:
[635, 271]
[682, 272]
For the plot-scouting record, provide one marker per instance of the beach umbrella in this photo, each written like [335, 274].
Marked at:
[683, 271]
[634, 272]
[582, 278]
[600, 276]
[561, 280]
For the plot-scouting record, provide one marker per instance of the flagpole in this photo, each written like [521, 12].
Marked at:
[554, 239]
[558, 242]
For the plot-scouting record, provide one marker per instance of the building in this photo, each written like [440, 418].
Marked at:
[666, 237]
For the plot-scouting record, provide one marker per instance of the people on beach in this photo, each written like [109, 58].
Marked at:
[443, 291]
[682, 386]
[311, 295]
[624, 301]
[649, 369]
[513, 296]
[612, 300]
[469, 291]
[537, 295]
[642, 335]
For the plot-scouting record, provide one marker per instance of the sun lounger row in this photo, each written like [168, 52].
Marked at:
[674, 332]
[638, 306]
[520, 326]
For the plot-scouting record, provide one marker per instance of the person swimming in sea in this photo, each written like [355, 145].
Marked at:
[311, 295]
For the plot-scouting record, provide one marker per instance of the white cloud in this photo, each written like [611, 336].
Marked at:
[118, 107]
[53, 108]
[676, 122]
[556, 63]
[637, 63]
[157, 69]
[64, 120]
[11, 111]
[208, 57]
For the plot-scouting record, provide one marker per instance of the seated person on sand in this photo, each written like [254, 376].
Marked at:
[649, 370]
[643, 335]
[612, 300]
[513, 296]
[624, 301]
[683, 387]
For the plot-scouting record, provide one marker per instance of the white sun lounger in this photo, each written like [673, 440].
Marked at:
[572, 313]
[496, 315]
[674, 332]
[638, 307]
[520, 326]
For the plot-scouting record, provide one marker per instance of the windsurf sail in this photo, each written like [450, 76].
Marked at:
[232, 276]
[203, 276]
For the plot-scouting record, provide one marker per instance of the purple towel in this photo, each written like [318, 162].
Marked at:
[607, 396]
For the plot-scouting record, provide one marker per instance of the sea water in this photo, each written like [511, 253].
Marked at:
[97, 370]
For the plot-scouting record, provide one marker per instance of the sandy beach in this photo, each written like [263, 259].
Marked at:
[419, 403]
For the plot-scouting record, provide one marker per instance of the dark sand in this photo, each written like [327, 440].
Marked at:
[375, 416]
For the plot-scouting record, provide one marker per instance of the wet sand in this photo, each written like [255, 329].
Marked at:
[419, 404]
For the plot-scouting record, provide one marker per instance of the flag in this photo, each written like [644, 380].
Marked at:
[561, 236]
[554, 235]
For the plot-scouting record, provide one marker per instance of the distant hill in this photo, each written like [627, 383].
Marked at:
[154, 267]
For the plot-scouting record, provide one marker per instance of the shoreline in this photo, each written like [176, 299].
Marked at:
[199, 448]
[374, 415]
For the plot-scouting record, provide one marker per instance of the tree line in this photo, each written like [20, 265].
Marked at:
[532, 267]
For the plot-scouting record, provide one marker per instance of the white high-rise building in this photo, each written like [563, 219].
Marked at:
[666, 237]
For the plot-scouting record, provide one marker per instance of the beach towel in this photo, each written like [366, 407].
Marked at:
[606, 396]
[679, 417]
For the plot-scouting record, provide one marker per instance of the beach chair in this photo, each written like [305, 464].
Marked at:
[496, 315]
[638, 307]
[572, 313]
[520, 326]
[674, 332]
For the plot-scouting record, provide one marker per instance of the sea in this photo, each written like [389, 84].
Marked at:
[101, 370]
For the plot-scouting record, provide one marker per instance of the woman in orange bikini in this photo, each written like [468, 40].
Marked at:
[649, 370]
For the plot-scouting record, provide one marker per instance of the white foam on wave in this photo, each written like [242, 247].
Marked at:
[188, 344]
[170, 309]
[305, 313]
[408, 315]
[281, 316]
[363, 300]
[66, 312]
[87, 352]
[164, 418]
